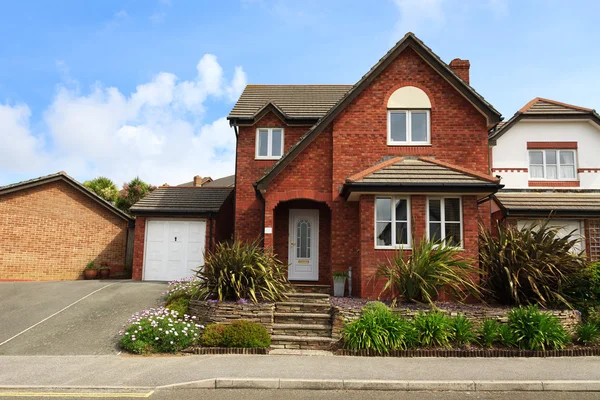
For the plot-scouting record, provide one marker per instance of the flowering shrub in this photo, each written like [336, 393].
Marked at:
[184, 287]
[159, 330]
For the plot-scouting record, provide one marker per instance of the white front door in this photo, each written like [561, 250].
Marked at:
[173, 249]
[303, 255]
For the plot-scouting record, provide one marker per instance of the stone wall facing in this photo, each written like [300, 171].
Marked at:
[569, 319]
[210, 312]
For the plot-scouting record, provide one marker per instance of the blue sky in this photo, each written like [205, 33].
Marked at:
[132, 87]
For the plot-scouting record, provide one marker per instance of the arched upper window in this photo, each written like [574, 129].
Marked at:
[409, 117]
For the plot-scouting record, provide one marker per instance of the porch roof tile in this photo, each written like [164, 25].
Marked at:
[538, 201]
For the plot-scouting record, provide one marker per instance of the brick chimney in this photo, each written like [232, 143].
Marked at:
[461, 68]
[197, 180]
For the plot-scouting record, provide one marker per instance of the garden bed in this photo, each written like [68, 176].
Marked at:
[466, 353]
[225, 312]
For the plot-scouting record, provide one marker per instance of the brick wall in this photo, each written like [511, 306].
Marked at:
[51, 231]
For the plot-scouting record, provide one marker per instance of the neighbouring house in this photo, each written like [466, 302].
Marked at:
[547, 156]
[176, 225]
[226, 181]
[52, 226]
[334, 177]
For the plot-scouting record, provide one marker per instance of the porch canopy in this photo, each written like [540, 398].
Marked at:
[418, 175]
[527, 203]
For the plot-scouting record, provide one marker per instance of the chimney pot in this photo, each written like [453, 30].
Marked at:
[461, 68]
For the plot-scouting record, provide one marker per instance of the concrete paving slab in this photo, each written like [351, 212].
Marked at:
[461, 386]
[571, 386]
[350, 384]
[509, 386]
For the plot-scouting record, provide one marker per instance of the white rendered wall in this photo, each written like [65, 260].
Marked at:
[511, 152]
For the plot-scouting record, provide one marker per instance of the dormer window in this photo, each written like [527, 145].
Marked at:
[408, 127]
[409, 121]
[269, 143]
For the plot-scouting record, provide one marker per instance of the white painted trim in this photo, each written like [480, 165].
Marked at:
[409, 97]
[291, 250]
[269, 155]
[443, 217]
[409, 141]
[558, 165]
[394, 246]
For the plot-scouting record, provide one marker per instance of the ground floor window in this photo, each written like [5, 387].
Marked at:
[444, 220]
[594, 239]
[392, 222]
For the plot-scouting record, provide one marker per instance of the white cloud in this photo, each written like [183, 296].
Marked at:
[121, 14]
[19, 147]
[157, 132]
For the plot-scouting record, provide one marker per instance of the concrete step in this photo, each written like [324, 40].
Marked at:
[299, 306]
[302, 318]
[300, 342]
[312, 330]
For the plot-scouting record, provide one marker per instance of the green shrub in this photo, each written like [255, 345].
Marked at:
[462, 330]
[179, 304]
[239, 270]
[536, 330]
[433, 329]
[246, 334]
[213, 335]
[529, 265]
[159, 331]
[429, 268]
[378, 329]
[588, 334]
[488, 333]
[583, 290]
[506, 336]
[103, 187]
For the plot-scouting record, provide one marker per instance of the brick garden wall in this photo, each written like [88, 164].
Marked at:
[51, 231]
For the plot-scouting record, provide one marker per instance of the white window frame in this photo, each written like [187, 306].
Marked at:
[409, 141]
[408, 245]
[443, 217]
[269, 155]
[558, 165]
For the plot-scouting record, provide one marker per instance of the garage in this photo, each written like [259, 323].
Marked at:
[174, 248]
[176, 226]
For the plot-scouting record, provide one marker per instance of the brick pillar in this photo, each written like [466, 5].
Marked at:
[269, 222]
[138, 248]
[419, 217]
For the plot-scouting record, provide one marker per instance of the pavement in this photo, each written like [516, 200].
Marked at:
[70, 317]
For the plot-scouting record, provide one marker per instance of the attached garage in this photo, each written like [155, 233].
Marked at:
[52, 226]
[174, 228]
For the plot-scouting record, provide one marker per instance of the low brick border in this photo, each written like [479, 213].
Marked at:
[491, 353]
[230, 350]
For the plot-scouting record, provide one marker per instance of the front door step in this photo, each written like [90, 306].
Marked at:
[311, 288]
[300, 342]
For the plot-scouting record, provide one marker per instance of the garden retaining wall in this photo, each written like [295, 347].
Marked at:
[210, 312]
[342, 315]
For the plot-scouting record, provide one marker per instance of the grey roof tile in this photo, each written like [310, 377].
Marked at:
[185, 200]
[549, 201]
[295, 101]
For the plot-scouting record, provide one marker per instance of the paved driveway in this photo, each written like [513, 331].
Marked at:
[69, 318]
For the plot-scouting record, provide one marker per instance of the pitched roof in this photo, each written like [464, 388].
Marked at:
[226, 181]
[291, 101]
[409, 40]
[543, 202]
[182, 200]
[540, 108]
[62, 176]
[422, 173]
[203, 182]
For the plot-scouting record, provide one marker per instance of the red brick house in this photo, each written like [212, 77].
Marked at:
[339, 176]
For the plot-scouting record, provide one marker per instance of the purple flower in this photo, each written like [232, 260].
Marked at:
[242, 301]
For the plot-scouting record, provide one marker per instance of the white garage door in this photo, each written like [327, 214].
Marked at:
[173, 249]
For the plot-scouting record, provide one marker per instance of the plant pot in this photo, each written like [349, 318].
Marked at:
[90, 273]
[339, 287]
[104, 273]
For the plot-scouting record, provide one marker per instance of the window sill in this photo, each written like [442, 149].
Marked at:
[267, 158]
[398, 144]
[553, 183]
[392, 248]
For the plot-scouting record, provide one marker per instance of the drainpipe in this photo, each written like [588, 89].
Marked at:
[349, 281]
